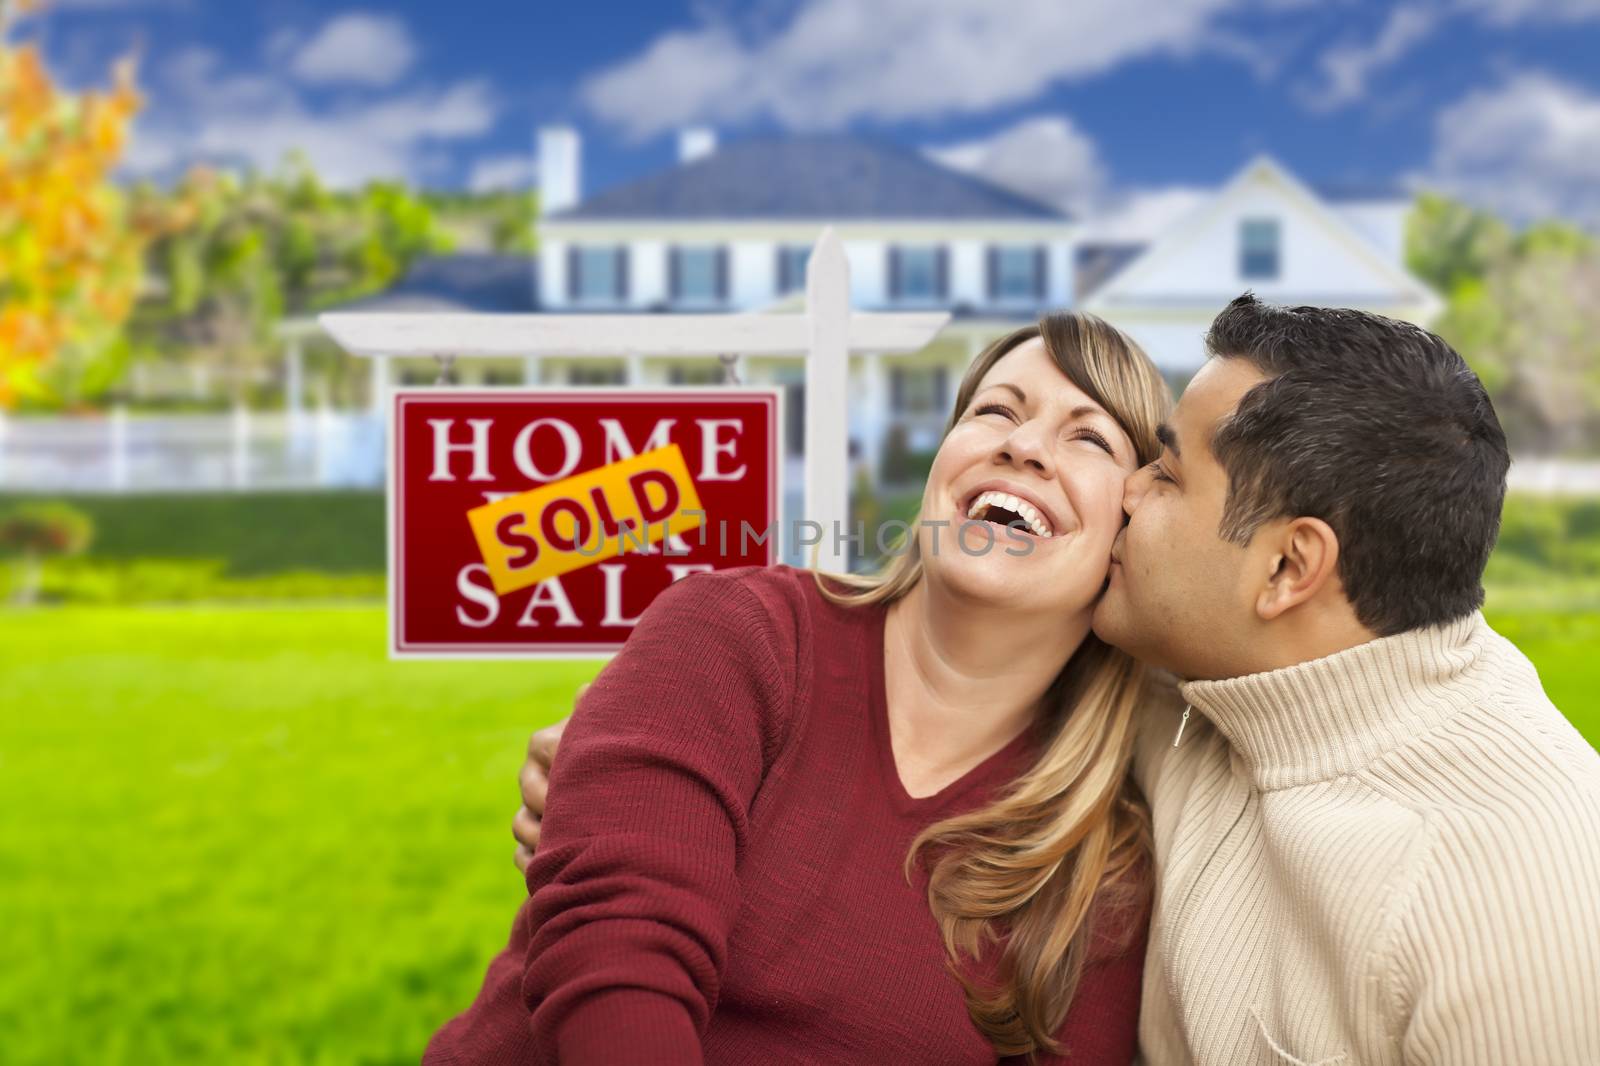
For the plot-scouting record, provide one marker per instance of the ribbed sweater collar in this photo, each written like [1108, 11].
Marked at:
[1331, 716]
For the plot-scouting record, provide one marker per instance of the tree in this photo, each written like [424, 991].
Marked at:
[69, 250]
[1524, 311]
[260, 246]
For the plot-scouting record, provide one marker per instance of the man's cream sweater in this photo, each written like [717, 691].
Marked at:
[1390, 855]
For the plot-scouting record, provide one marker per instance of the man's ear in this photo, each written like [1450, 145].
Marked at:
[1304, 559]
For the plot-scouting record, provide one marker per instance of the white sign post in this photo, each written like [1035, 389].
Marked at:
[826, 333]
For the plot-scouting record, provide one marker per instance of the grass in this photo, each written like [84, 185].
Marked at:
[242, 835]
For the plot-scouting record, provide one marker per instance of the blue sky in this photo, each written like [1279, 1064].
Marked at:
[1092, 103]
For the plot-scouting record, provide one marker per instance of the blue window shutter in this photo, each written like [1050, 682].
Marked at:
[894, 272]
[622, 273]
[574, 269]
[993, 273]
[722, 274]
[940, 382]
[781, 270]
[941, 272]
[674, 274]
[896, 388]
[1041, 273]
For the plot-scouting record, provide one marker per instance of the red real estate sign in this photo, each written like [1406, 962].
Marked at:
[527, 523]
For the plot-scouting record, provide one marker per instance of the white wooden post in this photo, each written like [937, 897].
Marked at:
[3, 429]
[241, 446]
[827, 498]
[118, 443]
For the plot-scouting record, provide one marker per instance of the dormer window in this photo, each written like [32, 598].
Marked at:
[1259, 251]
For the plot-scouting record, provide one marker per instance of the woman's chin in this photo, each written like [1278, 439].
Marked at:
[1026, 575]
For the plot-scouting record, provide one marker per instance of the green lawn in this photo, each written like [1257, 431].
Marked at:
[242, 835]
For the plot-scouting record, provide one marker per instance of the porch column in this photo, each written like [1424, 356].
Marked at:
[293, 387]
[379, 378]
[874, 407]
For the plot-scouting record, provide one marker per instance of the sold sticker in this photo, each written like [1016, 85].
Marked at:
[586, 519]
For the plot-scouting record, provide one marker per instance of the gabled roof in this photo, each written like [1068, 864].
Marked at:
[1406, 286]
[810, 177]
[1096, 263]
[471, 281]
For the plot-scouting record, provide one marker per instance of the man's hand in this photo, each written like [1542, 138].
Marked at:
[533, 780]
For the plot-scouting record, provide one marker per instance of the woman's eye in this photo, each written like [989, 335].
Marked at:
[1086, 433]
[995, 409]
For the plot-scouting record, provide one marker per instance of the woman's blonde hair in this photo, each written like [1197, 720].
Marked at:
[1064, 843]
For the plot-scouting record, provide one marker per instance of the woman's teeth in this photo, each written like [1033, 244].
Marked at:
[1005, 501]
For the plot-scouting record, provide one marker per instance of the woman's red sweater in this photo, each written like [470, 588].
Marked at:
[721, 872]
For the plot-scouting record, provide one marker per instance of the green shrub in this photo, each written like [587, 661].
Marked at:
[40, 528]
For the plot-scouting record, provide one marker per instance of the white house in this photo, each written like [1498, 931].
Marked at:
[1265, 231]
[728, 227]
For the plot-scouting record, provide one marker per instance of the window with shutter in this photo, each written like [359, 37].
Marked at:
[600, 274]
[791, 268]
[1016, 274]
[700, 275]
[919, 274]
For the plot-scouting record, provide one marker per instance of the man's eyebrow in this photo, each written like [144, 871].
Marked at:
[1168, 439]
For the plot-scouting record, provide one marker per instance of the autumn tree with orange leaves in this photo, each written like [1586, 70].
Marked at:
[69, 251]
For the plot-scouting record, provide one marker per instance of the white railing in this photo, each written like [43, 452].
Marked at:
[1554, 477]
[122, 452]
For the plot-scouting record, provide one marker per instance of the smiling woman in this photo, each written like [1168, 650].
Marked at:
[1048, 423]
[684, 900]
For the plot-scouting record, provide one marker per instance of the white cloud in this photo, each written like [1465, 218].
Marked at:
[356, 49]
[837, 61]
[497, 172]
[1529, 147]
[1045, 157]
[110, 5]
[202, 112]
[1346, 68]
[1139, 216]
[1508, 12]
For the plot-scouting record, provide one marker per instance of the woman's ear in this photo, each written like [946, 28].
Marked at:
[1305, 557]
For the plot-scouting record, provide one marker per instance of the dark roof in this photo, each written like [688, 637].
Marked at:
[1097, 264]
[810, 177]
[474, 281]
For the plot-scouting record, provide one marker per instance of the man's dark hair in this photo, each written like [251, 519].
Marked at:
[1378, 428]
